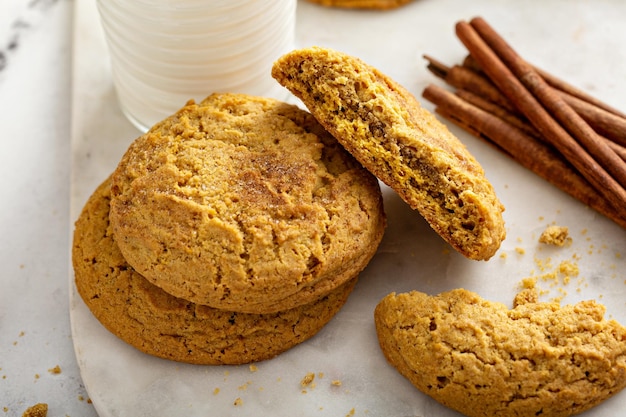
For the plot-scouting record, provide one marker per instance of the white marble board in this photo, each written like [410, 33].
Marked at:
[581, 41]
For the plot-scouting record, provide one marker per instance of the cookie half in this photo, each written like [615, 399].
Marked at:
[162, 325]
[400, 142]
[245, 204]
[483, 359]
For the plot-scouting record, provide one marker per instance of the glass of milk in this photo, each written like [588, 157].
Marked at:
[165, 52]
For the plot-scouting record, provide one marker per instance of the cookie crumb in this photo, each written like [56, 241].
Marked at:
[238, 402]
[556, 236]
[56, 370]
[556, 276]
[216, 391]
[568, 270]
[335, 383]
[519, 250]
[253, 368]
[526, 296]
[37, 410]
[307, 380]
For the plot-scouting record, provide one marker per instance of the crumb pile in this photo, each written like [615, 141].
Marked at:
[37, 410]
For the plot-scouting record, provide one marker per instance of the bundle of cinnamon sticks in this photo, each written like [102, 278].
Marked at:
[562, 134]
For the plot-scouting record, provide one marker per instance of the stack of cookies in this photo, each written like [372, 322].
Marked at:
[230, 232]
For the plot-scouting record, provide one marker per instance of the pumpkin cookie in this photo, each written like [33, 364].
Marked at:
[483, 359]
[162, 325]
[400, 142]
[362, 4]
[245, 204]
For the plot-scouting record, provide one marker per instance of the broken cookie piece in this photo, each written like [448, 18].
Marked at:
[483, 359]
[386, 129]
[37, 410]
[555, 235]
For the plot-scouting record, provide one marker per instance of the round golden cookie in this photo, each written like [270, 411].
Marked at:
[245, 204]
[162, 325]
[362, 4]
[483, 359]
[400, 142]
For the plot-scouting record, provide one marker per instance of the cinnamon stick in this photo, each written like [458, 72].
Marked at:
[479, 90]
[618, 149]
[520, 123]
[525, 149]
[500, 112]
[557, 83]
[606, 121]
[513, 89]
[553, 102]
[470, 80]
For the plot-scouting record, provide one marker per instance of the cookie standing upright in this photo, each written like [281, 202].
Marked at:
[245, 204]
[483, 359]
[162, 325]
[400, 142]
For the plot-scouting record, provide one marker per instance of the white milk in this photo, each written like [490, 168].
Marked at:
[165, 52]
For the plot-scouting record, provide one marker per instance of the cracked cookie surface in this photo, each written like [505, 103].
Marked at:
[162, 325]
[400, 142]
[246, 204]
[483, 359]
